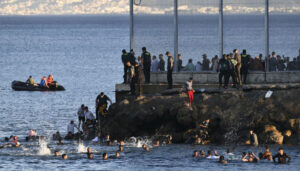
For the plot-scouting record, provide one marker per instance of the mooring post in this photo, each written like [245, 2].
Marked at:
[131, 25]
[267, 35]
[176, 35]
[221, 27]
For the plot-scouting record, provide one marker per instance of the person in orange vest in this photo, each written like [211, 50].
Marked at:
[50, 79]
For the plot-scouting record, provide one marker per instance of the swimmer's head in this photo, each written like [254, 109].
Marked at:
[56, 153]
[280, 151]
[117, 154]
[195, 153]
[64, 156]
[104, 156]
[147, 149]
[89, 150]
[121, 148]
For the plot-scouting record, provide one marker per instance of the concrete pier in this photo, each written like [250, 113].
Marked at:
[210, 81]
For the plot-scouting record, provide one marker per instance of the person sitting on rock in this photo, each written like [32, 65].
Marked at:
[198, 141]
[281, 157]
[253, 138]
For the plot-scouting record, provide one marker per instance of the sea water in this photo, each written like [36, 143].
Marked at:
[84, 55]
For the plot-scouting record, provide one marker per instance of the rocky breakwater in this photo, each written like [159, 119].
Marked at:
[276, 120]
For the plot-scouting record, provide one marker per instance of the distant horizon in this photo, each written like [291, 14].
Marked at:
[121, 7]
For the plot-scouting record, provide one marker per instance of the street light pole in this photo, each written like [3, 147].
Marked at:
[176, 35]
[131, 25]
[221, 27]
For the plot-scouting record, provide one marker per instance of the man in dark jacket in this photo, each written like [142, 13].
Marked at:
[161, 64]
[245, 65]
[125, 59]
[223, 69]
[146, 59]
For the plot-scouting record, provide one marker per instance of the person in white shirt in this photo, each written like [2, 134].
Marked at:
[88, 115]
[154, 64]
[198, 66]
[71, 127]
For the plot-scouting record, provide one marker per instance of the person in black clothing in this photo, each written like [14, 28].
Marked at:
[132, 57]
[125, 59]
[281, 157]
[101, 105]
[161, 64]
[146, 58]
[170, 70]
[245, 65]
[223, 68]
[231, 71]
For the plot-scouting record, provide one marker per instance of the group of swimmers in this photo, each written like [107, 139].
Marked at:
[108, 142]
[249, 157]
[45, 82]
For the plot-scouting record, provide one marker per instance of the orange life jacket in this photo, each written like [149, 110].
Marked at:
[50, 80]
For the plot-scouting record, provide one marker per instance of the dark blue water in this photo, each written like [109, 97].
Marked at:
[83, 54]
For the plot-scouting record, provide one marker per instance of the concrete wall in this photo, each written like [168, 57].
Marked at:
[212, 77]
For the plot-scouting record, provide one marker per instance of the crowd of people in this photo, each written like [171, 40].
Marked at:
[233, 65]
[247, 157]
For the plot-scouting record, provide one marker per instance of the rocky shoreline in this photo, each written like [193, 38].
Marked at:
[276, 120]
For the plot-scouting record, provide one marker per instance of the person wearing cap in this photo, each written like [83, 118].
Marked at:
[101, 105]
[170, 67]
[205, 63]
[125, 59]
[146, 60]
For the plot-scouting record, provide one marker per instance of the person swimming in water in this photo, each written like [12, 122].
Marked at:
[195, 154]
[281, 157]
[56, 153]
[156, 143]
[64, 156]
[121, 148]
[90, 155]
[222, 160]
[202, 153]
[104, 156]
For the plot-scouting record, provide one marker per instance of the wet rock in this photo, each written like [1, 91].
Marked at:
[232, 115]
[271, 135]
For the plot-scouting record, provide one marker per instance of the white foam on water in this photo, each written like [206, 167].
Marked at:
[133, 142]
[43, 149]
[81, 148]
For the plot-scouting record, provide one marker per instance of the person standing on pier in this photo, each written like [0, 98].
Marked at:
[223, 69]
[245, 65]
[146, 60]
[179, 65]
[125, 59]
[161, 64]
[154, 64]
[190, 91]
[170, 70]
[205, 63]
[237, 57]
[232, 63]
